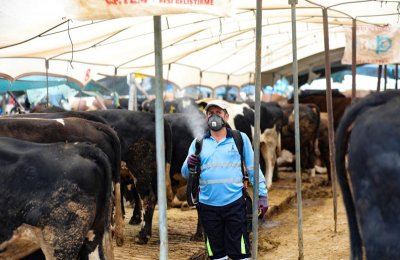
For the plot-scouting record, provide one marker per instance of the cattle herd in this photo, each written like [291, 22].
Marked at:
[63, 187]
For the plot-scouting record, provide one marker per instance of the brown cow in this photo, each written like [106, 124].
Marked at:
[309, 119]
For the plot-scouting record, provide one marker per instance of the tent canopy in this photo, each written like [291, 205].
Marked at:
[197, 48]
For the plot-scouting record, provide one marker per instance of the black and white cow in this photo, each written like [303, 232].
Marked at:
[370, 132]
[54, 197]
[72, 129]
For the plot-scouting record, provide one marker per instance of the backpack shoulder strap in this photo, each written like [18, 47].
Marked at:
[237, 137]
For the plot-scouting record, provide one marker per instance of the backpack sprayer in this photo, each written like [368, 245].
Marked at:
[192, 188]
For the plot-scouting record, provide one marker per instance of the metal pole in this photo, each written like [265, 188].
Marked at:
[396, 73]
[353, 60]
[329, 109]
[161, 189]
[254, 246]
[132, 104]
[47, 83]
[385, 76]
[297, 130]
[378, 88]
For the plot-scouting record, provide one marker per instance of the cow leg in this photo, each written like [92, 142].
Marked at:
[170, 193]
[137, 210]
[149, 203]
[268, 148]
[275, 175]
[131, 193]
[198, 236]
[119, 220]
[106, 249]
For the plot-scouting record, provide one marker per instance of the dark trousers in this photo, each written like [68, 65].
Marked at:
[225, 230]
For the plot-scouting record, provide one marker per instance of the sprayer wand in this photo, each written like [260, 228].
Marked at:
[192, 189]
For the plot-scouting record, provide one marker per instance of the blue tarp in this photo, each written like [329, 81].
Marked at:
[26, 84]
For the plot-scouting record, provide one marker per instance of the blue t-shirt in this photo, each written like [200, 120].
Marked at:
[221, 178]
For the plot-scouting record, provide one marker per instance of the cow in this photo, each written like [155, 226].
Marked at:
[271, 119]
[322, 148]
[339, 102]
[185, 127]
[54, 197]
[72, 130]
[136, 132]
[369, 131]
[309, 121]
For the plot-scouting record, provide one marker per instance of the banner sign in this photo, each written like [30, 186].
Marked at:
[109, 9]
[374, 45]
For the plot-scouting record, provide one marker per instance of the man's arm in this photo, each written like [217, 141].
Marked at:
[185, 167]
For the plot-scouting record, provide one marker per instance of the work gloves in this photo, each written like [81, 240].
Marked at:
[262, 207]
[193, 160]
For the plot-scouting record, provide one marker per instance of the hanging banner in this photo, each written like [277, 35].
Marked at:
[374, 45]
[109, 9]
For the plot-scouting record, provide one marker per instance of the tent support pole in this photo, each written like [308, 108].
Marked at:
[295, 72]
[329, 109]
[132, 104]
[161, 188]
[353, 60]
[385, 76]
[378, 88]
[256, 142]
[396, 73]
[47, 83]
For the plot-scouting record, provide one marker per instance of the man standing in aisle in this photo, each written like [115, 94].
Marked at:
[222, 204]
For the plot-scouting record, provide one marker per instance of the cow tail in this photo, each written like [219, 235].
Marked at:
[168, 159]
[342, 135]
[116, 177]
[103, 210]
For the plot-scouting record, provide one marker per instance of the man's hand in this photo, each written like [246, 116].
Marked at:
[262, 207]
[193, 160]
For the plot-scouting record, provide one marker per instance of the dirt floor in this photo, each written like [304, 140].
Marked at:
[278, 236]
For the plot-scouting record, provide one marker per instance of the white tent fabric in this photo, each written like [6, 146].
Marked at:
[197, 48]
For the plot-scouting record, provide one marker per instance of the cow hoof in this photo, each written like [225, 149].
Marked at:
[197, 237]
[119, 241]
[141, 240]
[135, 220]
[185, 206]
